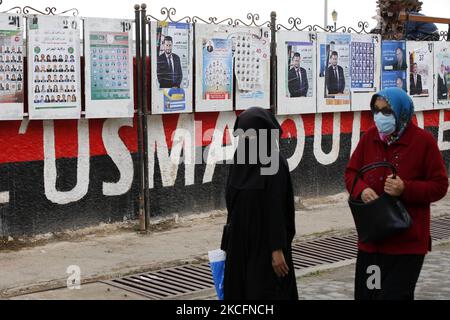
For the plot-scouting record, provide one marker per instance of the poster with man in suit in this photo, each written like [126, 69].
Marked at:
[299, 70]
[169, 71]
[442, 69]
[334, 76]
[173, 57]
[297, 79]
[415, 81]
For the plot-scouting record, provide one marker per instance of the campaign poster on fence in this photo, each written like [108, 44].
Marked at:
[365, 53]
[334, 75]
[172, 48]
[214, 62]
[251, 50]
[108, 68]
[54, 90]
[420, 74]
[394, 65]
[296, 60]
[11, 67]
[442, 75]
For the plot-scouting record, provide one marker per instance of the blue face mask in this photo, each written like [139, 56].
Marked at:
[386, 124]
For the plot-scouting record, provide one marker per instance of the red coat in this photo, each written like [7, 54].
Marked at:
[420, 165]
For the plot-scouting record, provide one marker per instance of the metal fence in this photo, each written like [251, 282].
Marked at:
[143, 35]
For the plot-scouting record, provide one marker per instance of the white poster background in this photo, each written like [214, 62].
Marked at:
[340, 102]
[112, 107]
[179, 48]
[423, 56]
[204, 32]
[441, 56]
[360, 99]
[10, 110]
[53, 35]
[252, 64]
[298, 105]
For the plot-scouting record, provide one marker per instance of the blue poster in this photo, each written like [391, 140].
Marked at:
[217, 70]
[393, 59]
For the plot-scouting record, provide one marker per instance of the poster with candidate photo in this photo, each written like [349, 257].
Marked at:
[441, 75]
[296, 56]
[420, 74]
[394, 65]
[54, 67]
[333, 82]
[214, 68]
[108, 78]
[365, 53]
[11, 67]
[172, 56]
[251, 51]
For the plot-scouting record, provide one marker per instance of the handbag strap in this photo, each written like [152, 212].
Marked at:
[372, 166]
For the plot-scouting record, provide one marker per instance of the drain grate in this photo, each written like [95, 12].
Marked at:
[179, 281]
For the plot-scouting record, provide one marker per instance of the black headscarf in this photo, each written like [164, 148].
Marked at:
[247, 175]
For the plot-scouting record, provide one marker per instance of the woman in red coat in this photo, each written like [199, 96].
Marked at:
[422, 179]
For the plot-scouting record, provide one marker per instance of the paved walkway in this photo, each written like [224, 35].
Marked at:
[188, 240]
[338, 284]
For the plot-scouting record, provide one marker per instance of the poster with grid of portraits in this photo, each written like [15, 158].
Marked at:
[11, 67]
[251, 51]
[108, 68]
[214, 68]
[365, 70]
[54, 90]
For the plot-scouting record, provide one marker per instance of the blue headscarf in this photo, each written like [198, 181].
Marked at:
[402, 107]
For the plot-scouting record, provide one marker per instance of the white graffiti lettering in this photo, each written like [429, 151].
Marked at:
[120, 155]
[50, 174]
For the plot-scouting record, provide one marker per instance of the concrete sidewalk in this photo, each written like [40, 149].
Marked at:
[188, 240]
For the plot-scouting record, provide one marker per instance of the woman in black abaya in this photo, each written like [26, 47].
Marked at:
[261, 216]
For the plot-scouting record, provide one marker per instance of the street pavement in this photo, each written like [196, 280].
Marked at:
[338, 284]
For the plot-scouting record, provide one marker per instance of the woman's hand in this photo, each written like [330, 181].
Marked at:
[368, 195]
[279, 263]
[394, 187]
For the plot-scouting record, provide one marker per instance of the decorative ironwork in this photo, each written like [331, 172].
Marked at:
[363, 28]
[254, 18]
[330, 28]
[168, 16]
[212, 20]
[294, 23]
[18, 9]
[49, 11]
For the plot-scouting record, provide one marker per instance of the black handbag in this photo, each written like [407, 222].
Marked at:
[382, 217]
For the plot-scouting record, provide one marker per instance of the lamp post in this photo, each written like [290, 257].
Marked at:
[334, 16]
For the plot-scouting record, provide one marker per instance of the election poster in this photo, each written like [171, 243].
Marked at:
[251, 52]
[108, 68]
[420, 77]
[296, 54]
[172, 58]
[394, 65]
[11, 67]
[54, 89]
[442, 75]
[365, 68]
[214, 68]
[334, 82]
